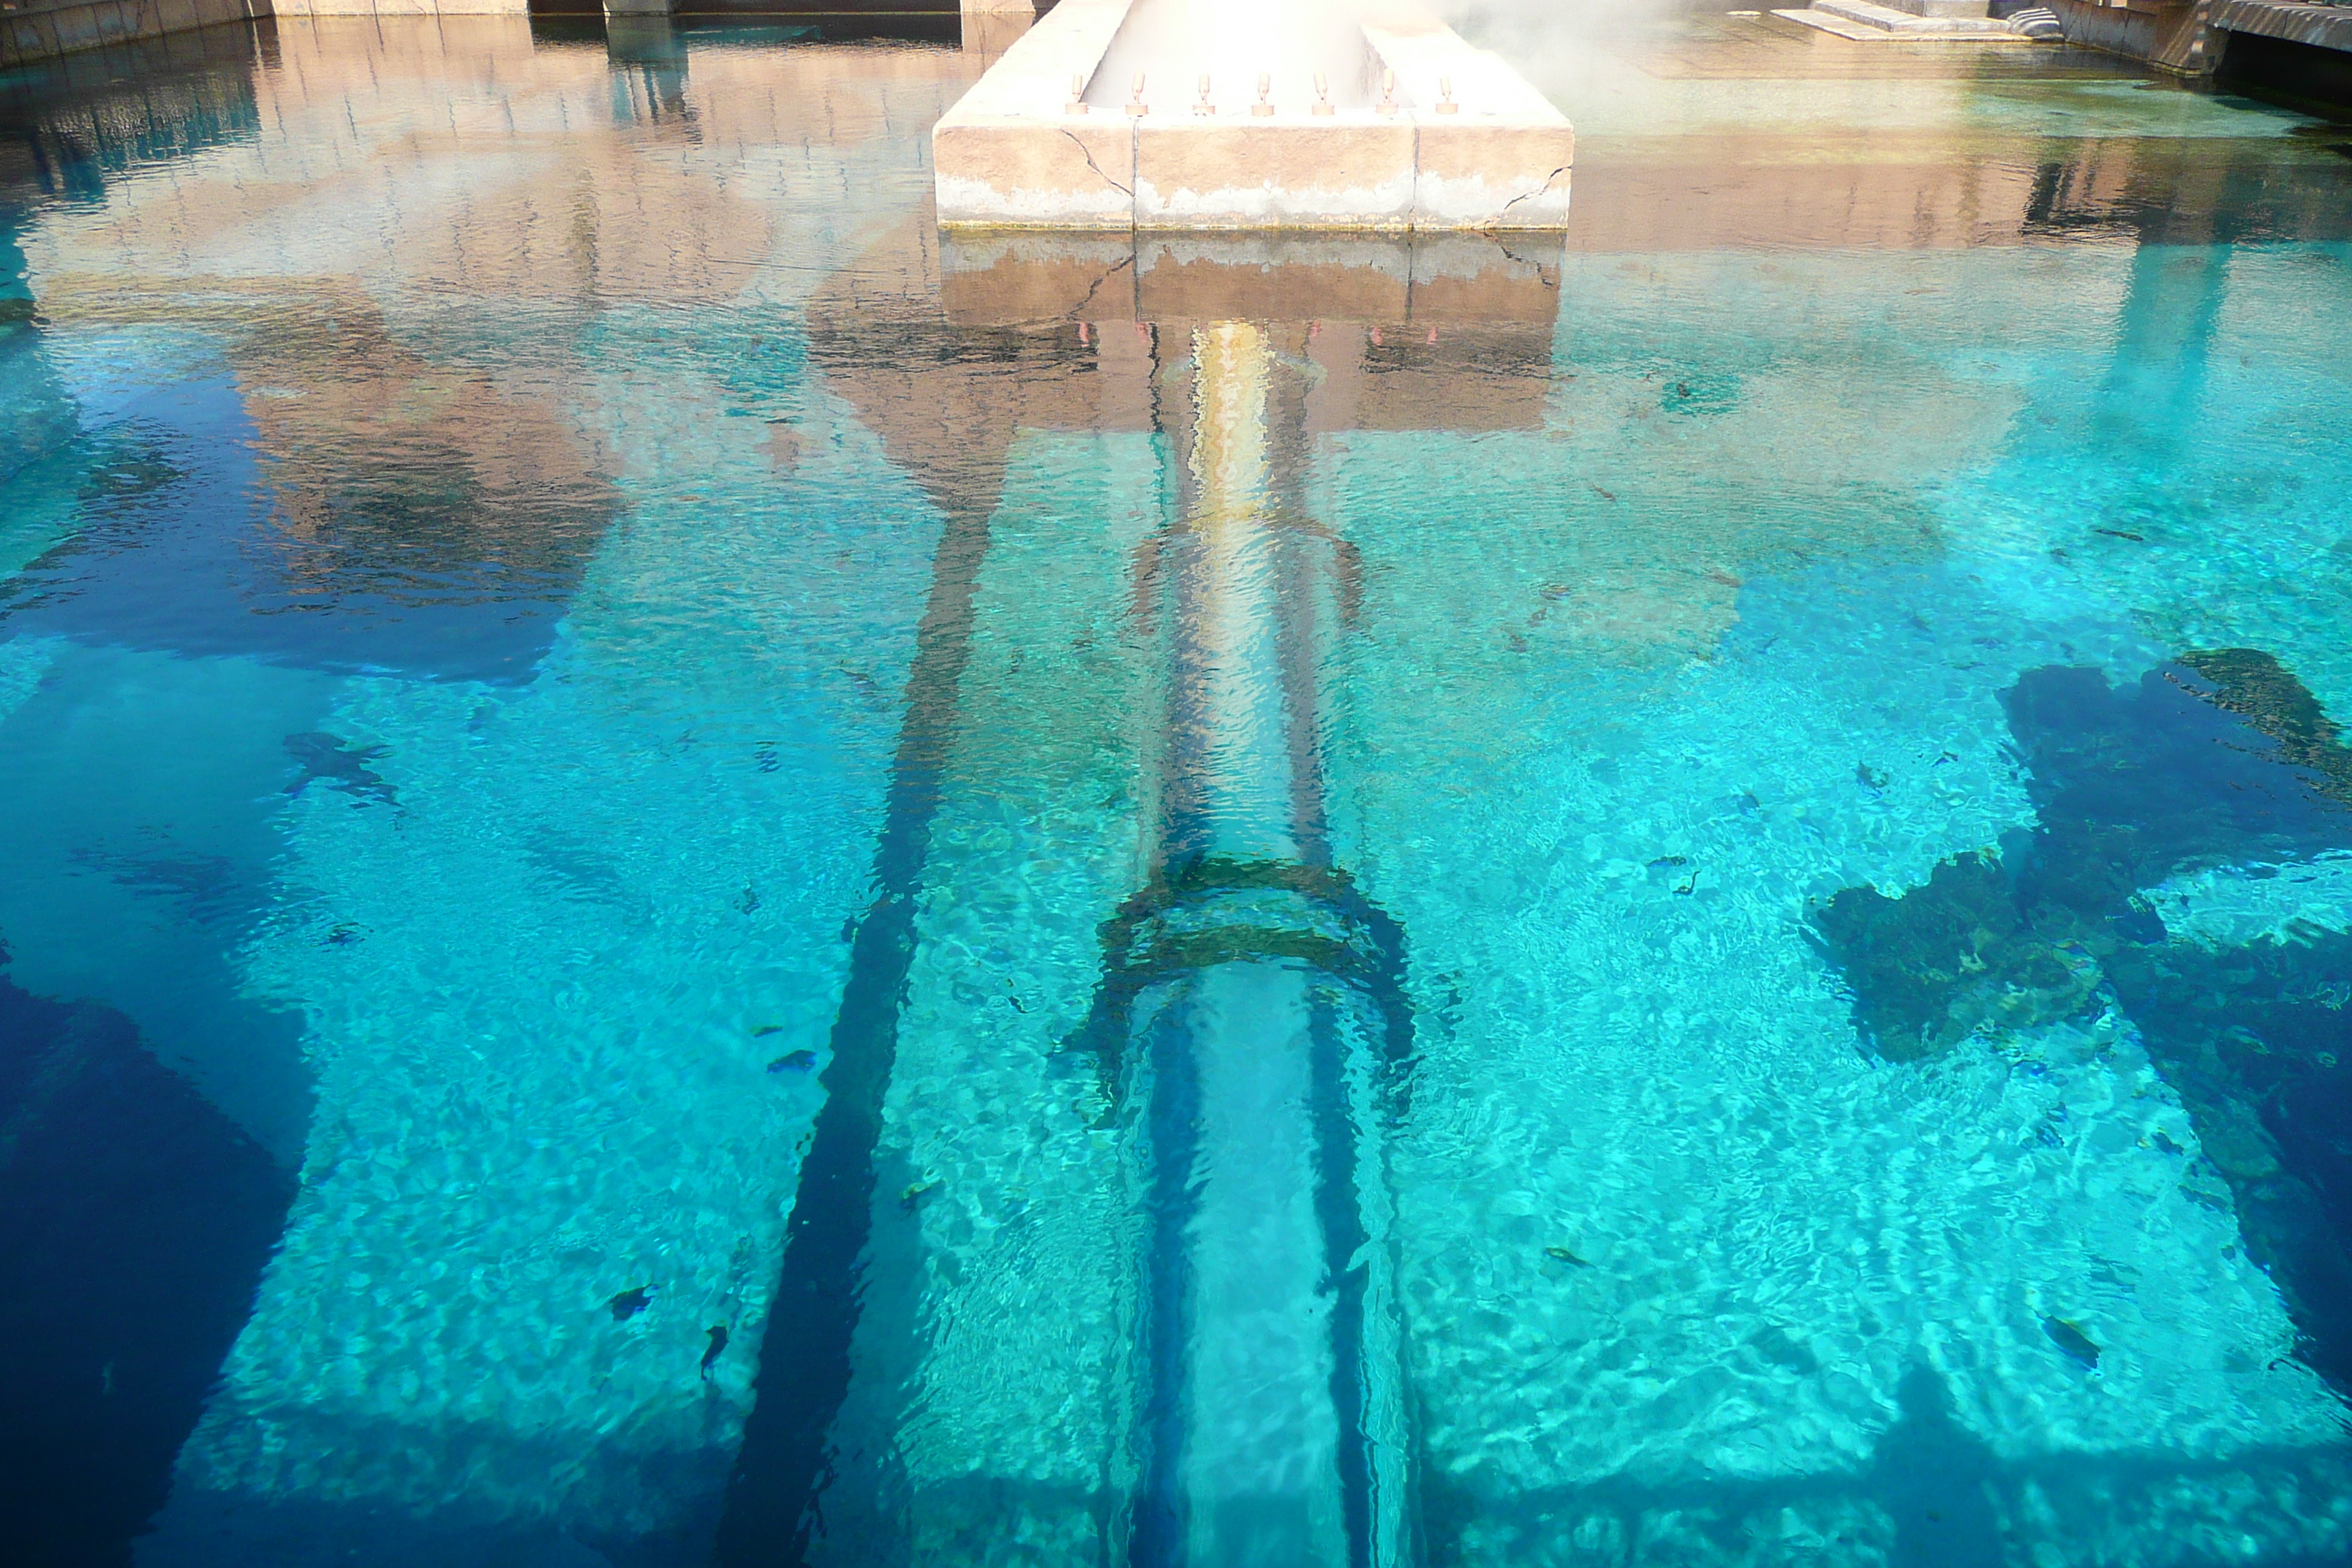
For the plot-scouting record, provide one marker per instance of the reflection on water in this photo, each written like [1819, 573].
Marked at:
[690, 873]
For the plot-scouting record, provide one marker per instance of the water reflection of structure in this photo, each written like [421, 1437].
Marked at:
[1254, 1011]
[1251, 1013]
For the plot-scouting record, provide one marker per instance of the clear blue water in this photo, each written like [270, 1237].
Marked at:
[688, 877]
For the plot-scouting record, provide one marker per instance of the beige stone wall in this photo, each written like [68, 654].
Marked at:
[2170, 35]
[402, 7]
[45, 31]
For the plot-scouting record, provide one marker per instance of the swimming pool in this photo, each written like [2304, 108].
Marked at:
[687, 874]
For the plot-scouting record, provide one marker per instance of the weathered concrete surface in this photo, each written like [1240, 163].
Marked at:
[2170, 35]
[2325, 26]
[1233, 174]
[42, 29]
[1038, 142]
[418, 8]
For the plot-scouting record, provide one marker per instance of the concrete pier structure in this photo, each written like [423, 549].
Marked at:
[1104, 117]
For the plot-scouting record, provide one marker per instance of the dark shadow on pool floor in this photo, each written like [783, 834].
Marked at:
[2222, 758]
[134, 1223]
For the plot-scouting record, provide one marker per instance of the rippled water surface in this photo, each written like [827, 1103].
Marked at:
[685, 873]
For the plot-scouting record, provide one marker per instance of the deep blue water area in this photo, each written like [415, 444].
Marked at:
[689, 874]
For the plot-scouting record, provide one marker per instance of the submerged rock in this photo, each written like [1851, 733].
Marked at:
[2256, 687]
[1933, 966]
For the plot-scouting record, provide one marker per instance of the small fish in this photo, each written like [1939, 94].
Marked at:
[914, 1193]
[629, 1303]
[797, 1061]
[1018, 1004]
[1670, 860]
[345, 768]
[1604, 495]
[749, 900]
[2163, 1140]
[2120, 533]
[1870, 777]
[343, 935]
[718, 1332]
[2073, 1340]
[1565, 1256]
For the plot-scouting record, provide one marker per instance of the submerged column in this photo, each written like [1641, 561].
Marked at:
[1254, 1000]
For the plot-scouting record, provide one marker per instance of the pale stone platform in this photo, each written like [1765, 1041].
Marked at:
[1462, 142]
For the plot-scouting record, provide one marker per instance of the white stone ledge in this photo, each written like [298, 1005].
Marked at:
[1469, 145]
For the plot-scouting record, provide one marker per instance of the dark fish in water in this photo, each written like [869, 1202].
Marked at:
[797, 1061]
[718, 1332]
[1870, 777]
[629, 1303]
[766, 1029]
[2073, 1340]
[2163, 1142]
[1565, 1256]
[345, 768]
[1671, 860]
[749, 900]
[2120, 533]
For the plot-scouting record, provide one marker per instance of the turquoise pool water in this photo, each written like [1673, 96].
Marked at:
[688, 875]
